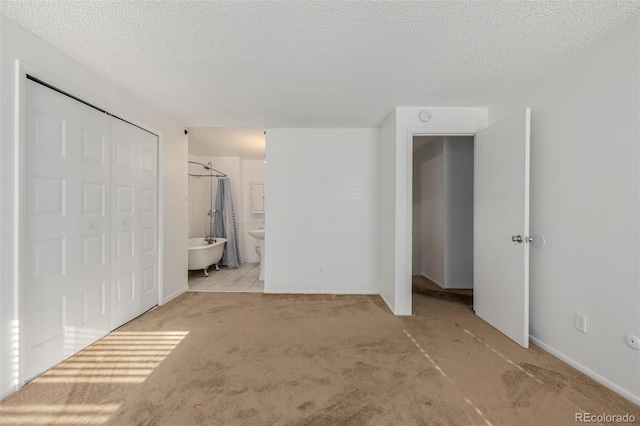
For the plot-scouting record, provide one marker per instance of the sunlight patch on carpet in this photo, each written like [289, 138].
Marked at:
[120, 357]
[71, 414]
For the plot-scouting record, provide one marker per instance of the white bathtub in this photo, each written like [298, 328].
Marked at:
[202, 255]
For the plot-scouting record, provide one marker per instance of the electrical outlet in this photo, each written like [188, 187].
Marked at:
[581, 322]
[321, 271]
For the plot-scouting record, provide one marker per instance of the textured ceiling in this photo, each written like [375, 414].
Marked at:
[311, 63]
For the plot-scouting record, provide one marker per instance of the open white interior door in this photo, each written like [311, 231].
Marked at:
[501, 226]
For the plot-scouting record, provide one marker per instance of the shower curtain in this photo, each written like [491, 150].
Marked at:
[226, 224]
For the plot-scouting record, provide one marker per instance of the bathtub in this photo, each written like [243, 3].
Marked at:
[202, 255]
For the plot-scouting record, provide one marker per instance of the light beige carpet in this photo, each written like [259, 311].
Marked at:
[253, 359]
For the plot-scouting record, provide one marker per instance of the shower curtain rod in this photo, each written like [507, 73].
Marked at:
[207, 167]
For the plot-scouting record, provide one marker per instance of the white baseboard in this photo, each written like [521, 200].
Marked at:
[595, 376]
[295, 290]
[432, 279]
[8, 391]
[175, 294]
[384, 299]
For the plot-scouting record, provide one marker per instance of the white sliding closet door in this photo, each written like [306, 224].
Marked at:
[149, 221]
[92, 171]
[49, 261]
[125, 232]
[90, 245]
[134, 222]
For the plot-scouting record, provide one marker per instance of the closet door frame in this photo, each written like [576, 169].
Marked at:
[17, 307]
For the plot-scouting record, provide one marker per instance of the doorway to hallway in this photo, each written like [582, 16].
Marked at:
[442, 249]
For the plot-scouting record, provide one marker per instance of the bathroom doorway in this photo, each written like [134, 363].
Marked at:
[442, 250]
[239, 153]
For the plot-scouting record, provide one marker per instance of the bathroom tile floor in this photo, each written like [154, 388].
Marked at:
[242, 279]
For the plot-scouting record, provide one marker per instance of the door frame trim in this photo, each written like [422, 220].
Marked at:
[406, 284]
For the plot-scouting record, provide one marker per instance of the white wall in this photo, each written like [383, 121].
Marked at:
[416, 221]
[458, 181]
[49, 64]
[430, 170]
[585, 187]
[387, 209]
[253, 171]
[198, 206]
[322, 218]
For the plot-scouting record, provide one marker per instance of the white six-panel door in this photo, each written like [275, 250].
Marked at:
[148, 221]
[49, 240]
[91, 232]
[125, 226]
[92, 171]
[134, 220]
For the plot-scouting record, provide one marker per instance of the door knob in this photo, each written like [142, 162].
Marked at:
[520, 239]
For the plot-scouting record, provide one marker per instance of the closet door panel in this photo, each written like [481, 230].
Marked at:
[125, 223]
[149, 221]
[49, 329]
[92, 225]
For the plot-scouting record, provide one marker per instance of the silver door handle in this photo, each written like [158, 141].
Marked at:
[94, 225]
[125, 222]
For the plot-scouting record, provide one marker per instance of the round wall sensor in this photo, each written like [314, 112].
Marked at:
[424, 115]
